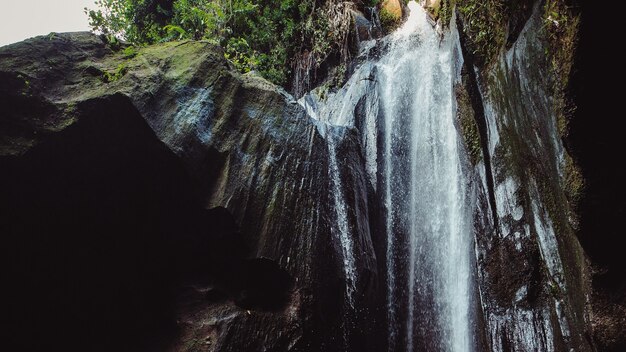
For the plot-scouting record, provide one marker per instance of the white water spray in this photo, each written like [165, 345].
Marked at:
[424, 194]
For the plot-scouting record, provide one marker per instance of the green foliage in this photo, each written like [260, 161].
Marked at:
[137, 21]
[174, 32]
[556, 16]
[445, 11]
[561, 24]
[388, 21]
[118, 73]
[256, 35]
[485, 26]
[241, 55]
[261, 35]
[130, 52]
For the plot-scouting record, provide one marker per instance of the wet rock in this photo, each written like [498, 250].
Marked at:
[105, 183]
[364, 28]
[529, 259]
[265, 285]
[94, 216]
[518, 13]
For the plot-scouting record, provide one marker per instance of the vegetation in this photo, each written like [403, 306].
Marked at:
[388, 21]
[267, 36]
[561, 23]
[287, 40]
[130, 52]
[118, 73]
[446, 8]
[467, 121]
[485, 27]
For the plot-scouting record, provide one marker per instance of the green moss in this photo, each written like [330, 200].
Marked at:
[323, 90]
[574, 182]
[70, 108]
[112, 76]
[193, 344]
[130, 52]
[389, 21]
[178, 59]
[25, 85]
[485, 27]
[446, 9]
[561, 25]
[554, 204]
[467, 122]
[555, 291]
[339, 75]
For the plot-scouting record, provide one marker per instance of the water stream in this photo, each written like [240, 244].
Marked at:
[428, 223]
[409, 98]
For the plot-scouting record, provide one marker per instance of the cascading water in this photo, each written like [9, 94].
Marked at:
[428, 218]
[414, 159]
[342, 230]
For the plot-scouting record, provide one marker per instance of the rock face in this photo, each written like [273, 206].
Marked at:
[532, 276]
[109, 161]
[596, 293]
[542, 303]
[153, 199]
[602, 207]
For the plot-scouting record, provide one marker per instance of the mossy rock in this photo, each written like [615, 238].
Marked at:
[390, 15]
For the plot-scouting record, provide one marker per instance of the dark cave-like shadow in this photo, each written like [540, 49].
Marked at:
[100, 223]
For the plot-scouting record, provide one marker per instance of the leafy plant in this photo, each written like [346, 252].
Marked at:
[174, 32]
[263, 35]
[118, 73]
[388, 21]
[485, 26]
[130, 52]
[241, 55]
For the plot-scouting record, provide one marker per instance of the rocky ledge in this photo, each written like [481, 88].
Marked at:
[154, 199]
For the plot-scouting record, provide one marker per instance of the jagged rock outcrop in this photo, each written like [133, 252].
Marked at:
[110, 159]
[514, 99]
[542, 303]
[153, 199]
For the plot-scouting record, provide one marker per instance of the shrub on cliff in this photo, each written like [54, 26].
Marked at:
[265, 35]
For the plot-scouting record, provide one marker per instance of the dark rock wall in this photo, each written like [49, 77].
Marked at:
[598, 148]
[90, 224]
[133, 148]
[110, 161]
[533, 274]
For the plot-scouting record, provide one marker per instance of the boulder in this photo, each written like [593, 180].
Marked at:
[110, 160]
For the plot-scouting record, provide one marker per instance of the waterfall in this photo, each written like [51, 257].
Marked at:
[428, 223]
[342, 230]
[415, 161]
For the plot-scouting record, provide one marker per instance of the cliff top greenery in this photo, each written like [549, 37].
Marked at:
[272, 37]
